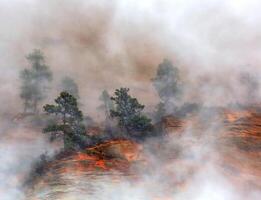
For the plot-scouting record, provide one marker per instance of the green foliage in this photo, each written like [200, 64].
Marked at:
[34, 81]
[167, 81]
[69, 120]
[140, 123]
[70, 86]
[129, 113]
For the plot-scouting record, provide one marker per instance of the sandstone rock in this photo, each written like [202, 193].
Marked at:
[124, 149]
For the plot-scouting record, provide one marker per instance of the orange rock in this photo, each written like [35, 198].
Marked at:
[124, 149]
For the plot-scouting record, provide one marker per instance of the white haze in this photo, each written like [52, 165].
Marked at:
[110, 44]
[162, 178]
[107, 45]
[20, 146]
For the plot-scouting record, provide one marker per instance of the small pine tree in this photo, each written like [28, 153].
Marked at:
[69, 121]
[34, 81]
[167, 83]
[129, 113]
[70, 86]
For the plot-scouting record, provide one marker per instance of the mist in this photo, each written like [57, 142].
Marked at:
[120, 43]
[111, 44]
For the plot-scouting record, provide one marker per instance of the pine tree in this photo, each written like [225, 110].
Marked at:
[34, 81]
[69, 120]
[167, 83]
[129, 113]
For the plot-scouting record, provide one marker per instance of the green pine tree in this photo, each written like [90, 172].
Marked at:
[69, 121]
[128, 111]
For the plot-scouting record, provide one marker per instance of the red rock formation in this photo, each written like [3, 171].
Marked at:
[236, 152]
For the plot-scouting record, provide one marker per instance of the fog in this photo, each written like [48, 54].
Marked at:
[20, 146]
[111, 44]
[107, 45]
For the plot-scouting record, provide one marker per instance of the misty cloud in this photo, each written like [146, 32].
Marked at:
[119, 43]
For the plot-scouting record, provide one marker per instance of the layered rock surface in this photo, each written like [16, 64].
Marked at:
[229, 143]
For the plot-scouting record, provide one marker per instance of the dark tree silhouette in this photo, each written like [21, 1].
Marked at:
[69, 121]
[34, 81]
[128, 111]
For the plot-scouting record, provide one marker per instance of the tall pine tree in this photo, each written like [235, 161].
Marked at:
[69, 121]
[35, 81]
[167, 83]
[128, 111]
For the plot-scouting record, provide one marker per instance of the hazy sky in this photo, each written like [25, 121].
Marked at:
[110, 44]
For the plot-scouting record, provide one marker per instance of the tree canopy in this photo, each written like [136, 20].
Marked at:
[69, 120]
[167, 81]
[128, 111]
[34, 81]
[168, 85]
